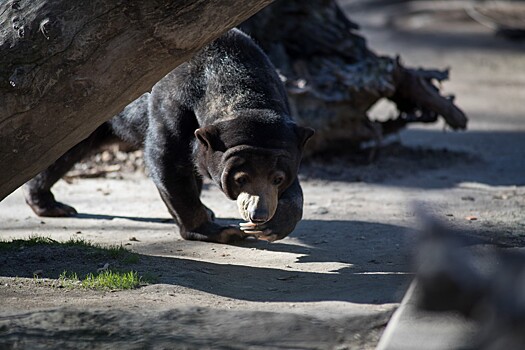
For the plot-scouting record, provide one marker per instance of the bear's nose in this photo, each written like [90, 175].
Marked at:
[258, 216]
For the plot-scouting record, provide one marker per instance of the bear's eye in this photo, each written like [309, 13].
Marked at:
[278, 180]
[241, 180]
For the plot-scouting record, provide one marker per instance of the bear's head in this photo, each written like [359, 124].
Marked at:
[253, 160]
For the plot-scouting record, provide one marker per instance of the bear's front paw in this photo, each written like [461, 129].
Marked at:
[230, 234]
[259, 231]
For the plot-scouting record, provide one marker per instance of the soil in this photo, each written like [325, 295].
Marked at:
[335, 281]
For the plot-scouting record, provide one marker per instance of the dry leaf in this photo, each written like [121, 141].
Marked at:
[104, 268]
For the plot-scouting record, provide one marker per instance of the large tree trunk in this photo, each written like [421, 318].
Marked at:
[333, 78]
[68, 66]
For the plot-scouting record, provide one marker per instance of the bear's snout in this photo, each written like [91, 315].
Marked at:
[258, 214]
[256, 209]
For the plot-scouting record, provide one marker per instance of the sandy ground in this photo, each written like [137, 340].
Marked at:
[336, 280]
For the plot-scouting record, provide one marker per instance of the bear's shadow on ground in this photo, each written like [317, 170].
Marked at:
[369, 266]
[124, 217]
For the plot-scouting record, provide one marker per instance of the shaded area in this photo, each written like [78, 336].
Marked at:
[392, 161]
[399, 159]
[400, 162]
[484, 67]
[363, 274]
[131, 218]
[481, 21]
[196, 328]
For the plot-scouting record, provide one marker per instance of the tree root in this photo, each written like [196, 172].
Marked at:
[418, 100]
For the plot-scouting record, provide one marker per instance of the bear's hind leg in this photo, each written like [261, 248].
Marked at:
[37, 191]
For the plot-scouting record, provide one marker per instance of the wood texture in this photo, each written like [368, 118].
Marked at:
[68, 66]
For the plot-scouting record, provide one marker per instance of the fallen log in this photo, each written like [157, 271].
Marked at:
[67, 66]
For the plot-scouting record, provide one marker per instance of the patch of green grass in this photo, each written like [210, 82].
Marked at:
[112, 280]
[105, 280]
[68, 280]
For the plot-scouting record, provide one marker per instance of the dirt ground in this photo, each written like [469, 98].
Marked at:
[335, 281]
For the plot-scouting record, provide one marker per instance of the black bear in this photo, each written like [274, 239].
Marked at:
[223, 114]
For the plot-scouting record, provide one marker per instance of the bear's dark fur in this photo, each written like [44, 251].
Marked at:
[224, 114]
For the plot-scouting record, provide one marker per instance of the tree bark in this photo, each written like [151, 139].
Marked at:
[333, 78]
[68, 66]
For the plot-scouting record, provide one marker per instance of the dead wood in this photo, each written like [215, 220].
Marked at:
[333, 78]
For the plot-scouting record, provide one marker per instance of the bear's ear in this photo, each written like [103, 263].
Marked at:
[303, 134]
[208, 136]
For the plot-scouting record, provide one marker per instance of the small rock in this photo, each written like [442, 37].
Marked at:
[286, 278]
[320, 211]
[106, 156]
[502, 196]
